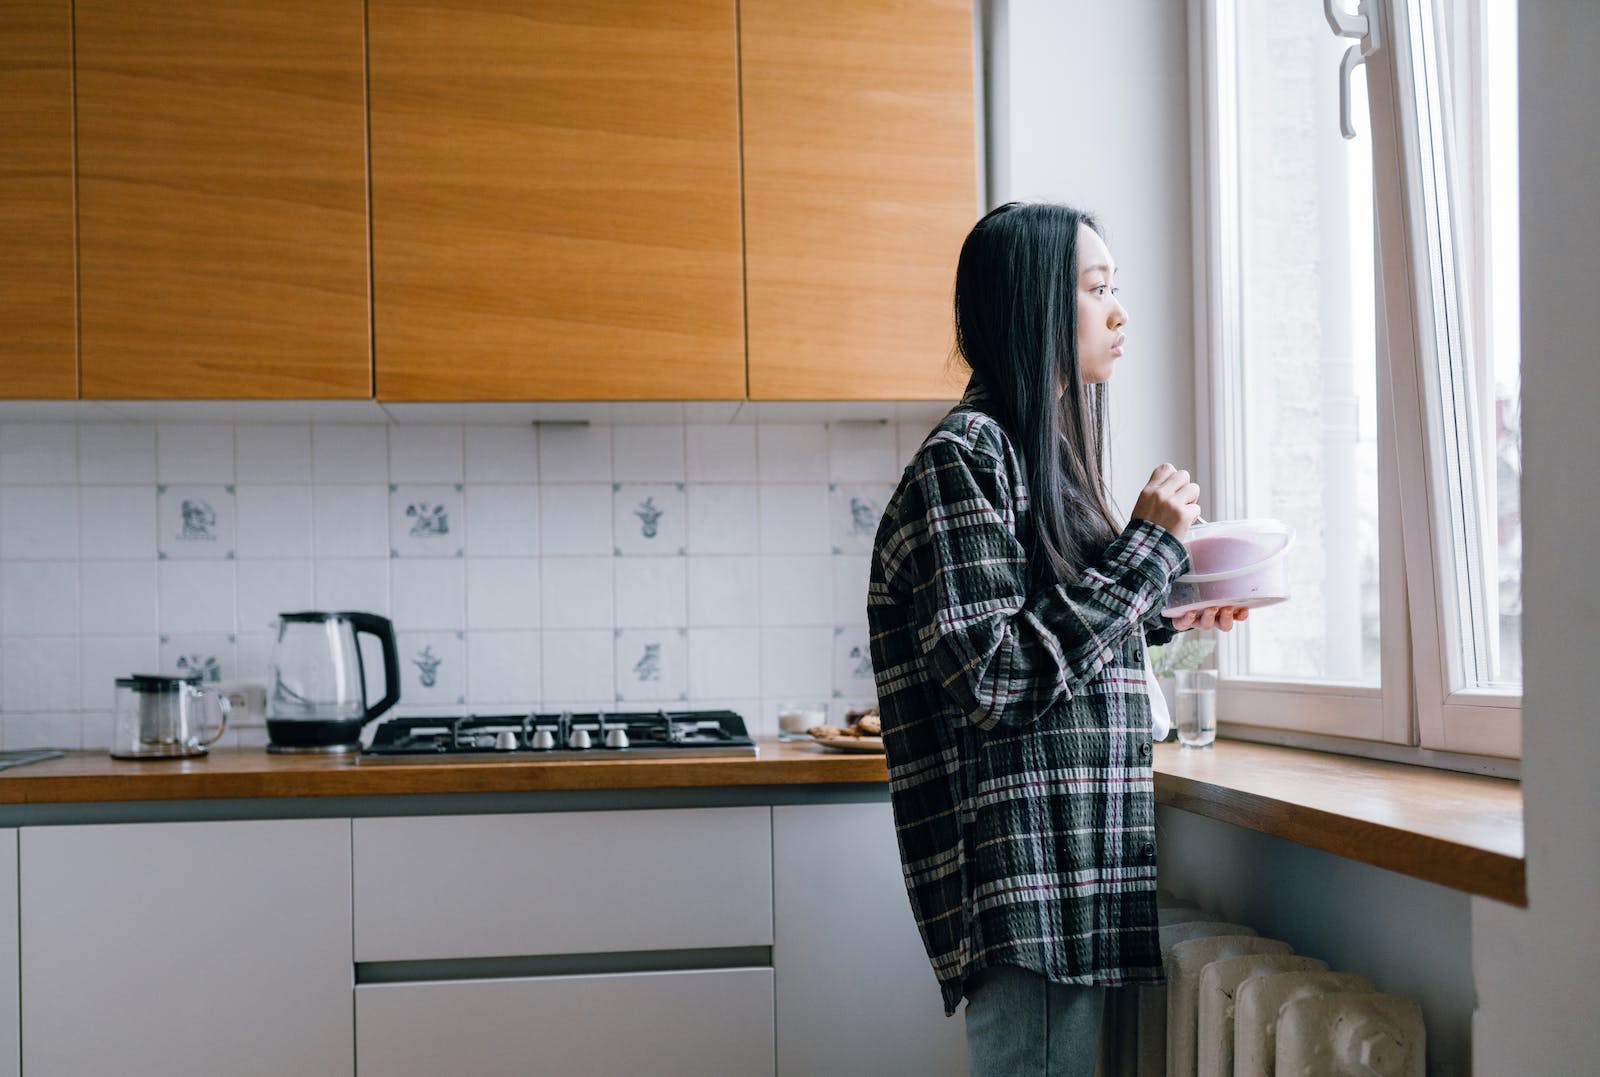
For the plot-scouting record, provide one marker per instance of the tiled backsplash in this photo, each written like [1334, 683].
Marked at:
[561, 565]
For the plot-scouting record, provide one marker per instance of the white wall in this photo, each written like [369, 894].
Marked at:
[1089, 106]
[1535, 967]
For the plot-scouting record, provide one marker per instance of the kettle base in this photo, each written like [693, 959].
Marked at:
[313, 749]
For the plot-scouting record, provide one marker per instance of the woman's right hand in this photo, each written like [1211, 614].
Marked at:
[1169, 500]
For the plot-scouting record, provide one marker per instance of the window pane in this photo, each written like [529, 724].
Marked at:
[1307, 378]
[1476, 85]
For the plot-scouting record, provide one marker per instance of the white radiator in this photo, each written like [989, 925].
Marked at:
[1237, 1005]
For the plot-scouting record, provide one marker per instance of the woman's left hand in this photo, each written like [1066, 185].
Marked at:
[1221, 617]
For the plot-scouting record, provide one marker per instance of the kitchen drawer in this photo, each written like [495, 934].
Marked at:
[658, 1023]
[465, 886]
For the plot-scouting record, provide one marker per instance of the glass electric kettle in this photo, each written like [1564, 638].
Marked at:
[316, 683]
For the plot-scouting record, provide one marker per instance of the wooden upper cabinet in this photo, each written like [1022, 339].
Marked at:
[222, 199]
[555, 194]
[860, 169]
[38, 326]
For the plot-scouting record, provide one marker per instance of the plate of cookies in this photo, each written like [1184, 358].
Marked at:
[862, 733]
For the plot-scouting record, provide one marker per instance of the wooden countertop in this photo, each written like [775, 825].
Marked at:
[229, 773]
[1463, 831]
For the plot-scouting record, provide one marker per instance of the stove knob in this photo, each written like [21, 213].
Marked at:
[578, 740]
[505, 740]
[616, 738]
[543, 740]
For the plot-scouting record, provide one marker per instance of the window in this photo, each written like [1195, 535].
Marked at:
[1359, 338]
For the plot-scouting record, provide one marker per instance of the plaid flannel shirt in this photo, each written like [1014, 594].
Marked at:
[1016, 722]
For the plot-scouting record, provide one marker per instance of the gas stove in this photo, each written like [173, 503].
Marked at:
[568, 735]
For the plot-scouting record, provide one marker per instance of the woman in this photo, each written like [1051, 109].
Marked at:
[1009, 615]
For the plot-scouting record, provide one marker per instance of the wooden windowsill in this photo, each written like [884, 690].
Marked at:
[1463, 831]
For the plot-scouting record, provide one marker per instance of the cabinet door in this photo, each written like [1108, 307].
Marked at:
[665, 1024]
[187, 948]
[222, 195]
[10, 1024]
[860, 170]
[38, 327]
[855, 991]
[555, 191]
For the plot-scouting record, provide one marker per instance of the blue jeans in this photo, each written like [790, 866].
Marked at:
[1021, 1025]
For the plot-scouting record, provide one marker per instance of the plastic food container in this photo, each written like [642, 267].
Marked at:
[1233, 563]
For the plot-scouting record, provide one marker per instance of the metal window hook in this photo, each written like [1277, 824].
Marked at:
[1363, 25]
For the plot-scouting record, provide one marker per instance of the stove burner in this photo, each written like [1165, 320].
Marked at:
[637, 734]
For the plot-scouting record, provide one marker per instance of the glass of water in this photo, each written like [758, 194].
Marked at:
[1195, 716]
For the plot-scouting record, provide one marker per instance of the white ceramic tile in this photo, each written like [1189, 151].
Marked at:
[862, 452]
[117, 597]
[652, 592]
[273, 453]
[721, 453]
[647, 453]
[429, 594]
[41, 598]
[194, 453]
[797, 590]
[196, 522]
[350, 521]
[209, 656]
[502, 520]
[909, 437]
[648, 413]
[38, 521]
[716, 412]
[351, 584]
[576, 592]
[268, 588]
[723, 519]
[854, 511]
[575, 454]
[38, 452]
[652, 665]
[503, 668]
[274, 521]
[794, 519]
[427, 521]
[852, 665]
[797, 662]
[649, 519]
[196, 597]
[792, 453]
[502, 454]
[117, 452]
[117, 522]
[24, 731]
[724, 662]
[350, 454]
[432, 668]
[40, 674]
[851, 573]
[575, 520]
[503, 592]
[792, 412]
[425, 454]
[578, 665]
[105, 658]
[724, 592]
[254, 651]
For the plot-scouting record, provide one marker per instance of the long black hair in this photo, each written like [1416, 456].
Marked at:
[1017, 328]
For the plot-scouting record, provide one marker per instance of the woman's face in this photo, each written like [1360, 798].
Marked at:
[1100, 313]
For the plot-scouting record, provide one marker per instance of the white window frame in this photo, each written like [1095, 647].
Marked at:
[1412, 714]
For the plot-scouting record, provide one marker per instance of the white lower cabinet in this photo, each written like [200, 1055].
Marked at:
[665, 1024]
[10, 1017]
[855, 991]
[173, 949]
